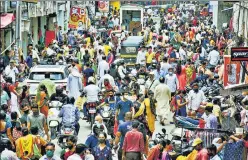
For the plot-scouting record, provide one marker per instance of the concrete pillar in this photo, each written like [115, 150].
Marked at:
[35, 30]
[215, 5]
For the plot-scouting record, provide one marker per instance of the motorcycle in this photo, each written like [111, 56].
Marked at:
[53, 119]
[92, 111]
[108, 118]
[66, 131]
[158, 137]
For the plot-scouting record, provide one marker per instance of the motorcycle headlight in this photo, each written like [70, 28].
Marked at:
[105, 114]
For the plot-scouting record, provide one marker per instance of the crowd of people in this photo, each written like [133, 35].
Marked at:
[174, 63]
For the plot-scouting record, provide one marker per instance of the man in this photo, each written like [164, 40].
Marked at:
[133, 145]
[59, 95]
[141, 56]
[214, 57]
[91, 91]
[38, 119]
[158, 72]
[122, 70]
[11, 71]
[33, 52]
[88, 72]
[60, 36]
[165, 65]
[151, 83]
[149, 57]
[202, 152]
[71, 142]
[24, 117]
[212, 152]
[50, 149]
[74, 84]
[209, 117]
[79, 152]
[123, 106]
[7, 57]
[172, 81]
[99, 122]
[182, 52]
[162, 95]
[103, 66]
[106, 76]
[70, 114]
[196, 97]
[122, 130]
[157, 150]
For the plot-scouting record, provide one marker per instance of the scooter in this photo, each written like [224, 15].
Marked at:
[53, 119]
[92, 111]
[66, 131]
[108, 118]
[157, 138]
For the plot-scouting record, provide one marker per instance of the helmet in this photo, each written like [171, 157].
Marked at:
[59, 90]
[216, 76]
[91, 79]
[70, 100]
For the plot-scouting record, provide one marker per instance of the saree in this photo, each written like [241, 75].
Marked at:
[42, 102]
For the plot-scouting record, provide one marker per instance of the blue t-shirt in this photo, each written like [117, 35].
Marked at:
[123, 129]
[173, 55]
[124, 107]
[88, 72]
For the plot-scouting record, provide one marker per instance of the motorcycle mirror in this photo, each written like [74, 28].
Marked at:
[164, 130]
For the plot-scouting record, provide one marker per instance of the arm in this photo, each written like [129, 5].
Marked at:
[46, 128]
[77, 114]
[61, 113]
[179, 104]
[10, 136]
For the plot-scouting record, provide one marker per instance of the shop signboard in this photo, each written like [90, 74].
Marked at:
[239, 54]
[77, 17]
[103, 6]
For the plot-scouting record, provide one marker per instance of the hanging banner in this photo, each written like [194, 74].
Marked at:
[103, 6]
[50, 36]
[231, 75]
[77, 16]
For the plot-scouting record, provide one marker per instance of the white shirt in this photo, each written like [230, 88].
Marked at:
[151, 84]
[74, 157]
[165, 67]
[198, 37]
[109, 77]
[195, 99]
[182, 54]
[50, 51]
[103, 65]
[203, 52]
[122, 71]
[172, 82]
[116, 21]
[216, 157]
[141, 57]
[11, 72]
[92, 93]
[8, 155]
[214, 57]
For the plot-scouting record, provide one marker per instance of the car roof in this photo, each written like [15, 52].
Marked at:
[48, 68]
[133, 41]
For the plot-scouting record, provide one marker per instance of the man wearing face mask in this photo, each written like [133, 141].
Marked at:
[196, 97]
[71, 145]
[38, 119]
[50, 148]
[108, 77]
[24, 117]
[135, 70]
[142, 74]
[151, 83]
[99, 122]
[172, 81]
[141, 56]
[123, 106]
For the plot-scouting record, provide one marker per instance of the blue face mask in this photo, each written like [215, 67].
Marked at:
[49, 153]
[170, 73]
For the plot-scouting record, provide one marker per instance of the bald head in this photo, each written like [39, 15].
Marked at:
[98, 118]
[128, 116]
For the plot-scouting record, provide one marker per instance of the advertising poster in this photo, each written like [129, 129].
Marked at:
[232, 70]
[103, 6]
[77, 17]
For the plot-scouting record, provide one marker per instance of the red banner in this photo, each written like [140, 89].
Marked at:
[50, 36]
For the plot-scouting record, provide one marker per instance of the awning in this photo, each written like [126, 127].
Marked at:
[6, 19]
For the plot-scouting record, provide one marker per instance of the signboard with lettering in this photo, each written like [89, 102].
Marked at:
[30, 1]
[239, 54]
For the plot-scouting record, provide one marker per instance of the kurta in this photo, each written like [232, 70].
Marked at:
[163, 95]
[182, 79]
[74, 85]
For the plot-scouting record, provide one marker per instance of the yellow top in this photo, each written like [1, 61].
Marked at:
[149, 57]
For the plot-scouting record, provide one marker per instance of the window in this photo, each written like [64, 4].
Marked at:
[41, 75]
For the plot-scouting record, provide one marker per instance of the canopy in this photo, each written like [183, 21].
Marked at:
[6, 19]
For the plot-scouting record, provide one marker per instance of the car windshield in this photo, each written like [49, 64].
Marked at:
[41, 76]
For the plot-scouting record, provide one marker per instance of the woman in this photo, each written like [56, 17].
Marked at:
[102, 152]
[150, 108]
[181, 76]
[181, 103]
[16, 129]
[142, 129]
[42, 100]
[24, 97]
[5, 128]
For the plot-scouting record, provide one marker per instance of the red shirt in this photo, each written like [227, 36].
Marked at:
[133, 142]
[68, 154]
[202, 154]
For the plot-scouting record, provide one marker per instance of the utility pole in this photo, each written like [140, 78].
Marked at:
[18, 31]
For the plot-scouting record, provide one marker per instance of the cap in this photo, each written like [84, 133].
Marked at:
[209, 105]
[196, 142]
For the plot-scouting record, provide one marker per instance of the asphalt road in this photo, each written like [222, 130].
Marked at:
[85, 130]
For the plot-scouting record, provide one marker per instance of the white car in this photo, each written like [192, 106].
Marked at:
[58, 74]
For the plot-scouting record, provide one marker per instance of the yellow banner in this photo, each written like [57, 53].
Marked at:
[77, 17]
